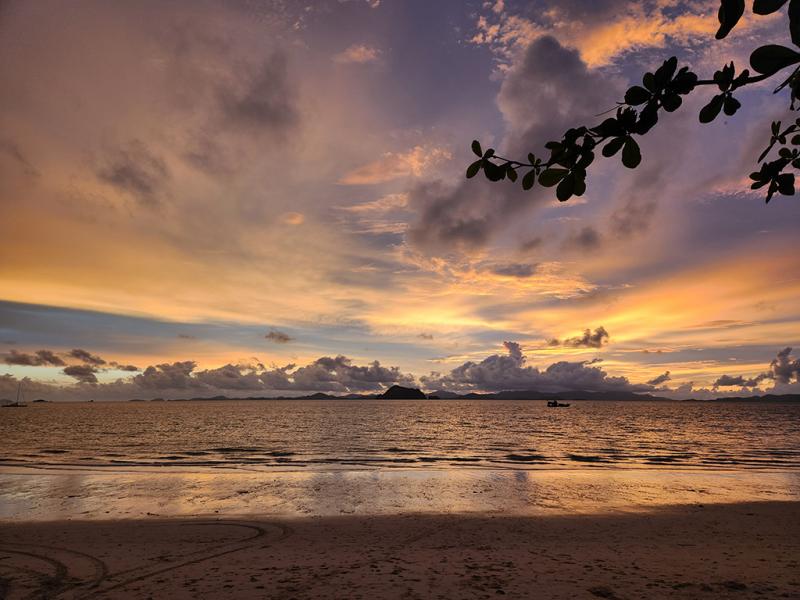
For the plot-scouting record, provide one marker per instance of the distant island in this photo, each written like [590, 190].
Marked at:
[397, 392]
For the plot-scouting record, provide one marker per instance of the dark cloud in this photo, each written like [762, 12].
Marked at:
[546, 93]
[585, 240]
[337, 374]
[264, 100]
[38, 359]
[531, 244]
[86, 357]
[176, 376]
[590, 339]
[633, 218]
[509, 372]
[425, 336]
[521, 270]
[278, 337]
[661, 379]
[13, 151]
[137, 170]
[83, 373]
[784, 367]
[123, 367]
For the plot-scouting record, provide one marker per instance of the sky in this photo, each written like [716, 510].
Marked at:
[259, 197]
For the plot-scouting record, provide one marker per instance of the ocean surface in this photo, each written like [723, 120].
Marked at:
[324, 435]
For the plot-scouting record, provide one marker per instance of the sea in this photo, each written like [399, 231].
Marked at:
[424, 434]
[307, 458]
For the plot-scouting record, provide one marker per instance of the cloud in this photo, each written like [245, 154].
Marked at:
[589, 339]
[38, 359]
[136, 170]
[278, 337]
[521, 270]
[784, 367]
[465, 216]
[124, 367]
[585, 240]
[738, 381]
[661, 379]
[175, 376]
[83, 373]
[358, 54]
[509, 372]
[393, 165]
[383, 204]
[264, 101]
[293, 218]
[425, 336]
[86, 357]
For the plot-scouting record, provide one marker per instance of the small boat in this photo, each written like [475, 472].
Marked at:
[19, 402]
[556, 404]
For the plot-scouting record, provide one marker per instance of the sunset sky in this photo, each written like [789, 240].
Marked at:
[268, 196]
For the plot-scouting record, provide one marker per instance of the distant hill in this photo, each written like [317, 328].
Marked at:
[398, 392]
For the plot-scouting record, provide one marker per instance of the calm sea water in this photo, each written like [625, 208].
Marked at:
[315, 435]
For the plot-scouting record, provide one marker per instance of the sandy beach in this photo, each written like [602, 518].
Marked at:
[712, 551]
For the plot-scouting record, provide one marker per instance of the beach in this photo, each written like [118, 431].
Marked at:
[748, 550]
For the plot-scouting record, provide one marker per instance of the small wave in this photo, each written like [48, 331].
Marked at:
[587, 458]
[526, 457]
[53, 451]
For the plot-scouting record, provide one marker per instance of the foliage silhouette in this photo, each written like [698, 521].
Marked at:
[565, 168]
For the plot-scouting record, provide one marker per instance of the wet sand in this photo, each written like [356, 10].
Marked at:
[745, 550]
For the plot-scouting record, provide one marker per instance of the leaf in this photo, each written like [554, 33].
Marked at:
[473, 169]
[631, 155]
[529, 180]
[786, 184]
[493, 172]
[565, 188]
[671, 102]
[489, 153]
[649, 81]
[794, 21]
[476, 148]
[730, 11]
[771, 58]
[731, 105]
[550, 177]
[637, 95]
[580, 186]
[511, 173]
[766, 7]
[612, 147]
[710, 111]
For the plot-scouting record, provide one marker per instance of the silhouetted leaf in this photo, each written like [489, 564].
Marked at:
[772, 58]
[580, 186]
[493, 172]
[612, 147]
[511, 173]
[786, 184]
[476, 148]
[473, 169]
[647, 119]
[730, 11]
[649, 81]
[731, 105]
[565, 188]
[765, 7]
[529, 180]
[489, 153]
[794, 21]
[665, 72]
[710, 111]
[631, 155]
[671, 102]
[550, 177]
[637, 95]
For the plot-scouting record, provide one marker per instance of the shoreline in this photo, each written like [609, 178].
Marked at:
[37, 495]
[744, 550]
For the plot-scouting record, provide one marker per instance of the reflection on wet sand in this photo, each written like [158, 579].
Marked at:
[29, 494]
